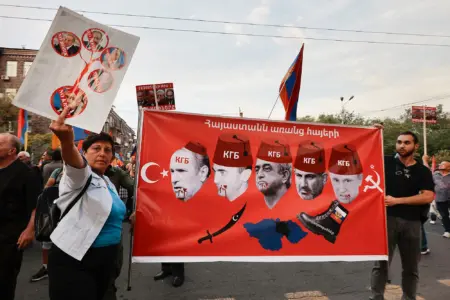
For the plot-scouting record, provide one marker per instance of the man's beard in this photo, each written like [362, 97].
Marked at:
[272, 189]
[406, 154]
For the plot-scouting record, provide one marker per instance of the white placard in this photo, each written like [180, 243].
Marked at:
[81, 63]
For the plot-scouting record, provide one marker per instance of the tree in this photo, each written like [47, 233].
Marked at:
[38, 144]
[8, 112]
[438, 135]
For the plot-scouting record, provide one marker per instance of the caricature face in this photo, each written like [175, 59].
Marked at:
[97, 38]
[69, 40]
[309, 185]
[346, 187]
[269, 177]
[231, 182]
[187, 174]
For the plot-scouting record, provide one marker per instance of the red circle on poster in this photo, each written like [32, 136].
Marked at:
[66, 44]
[95, 39]
[113, 58]
[100, 80]
[68, 96]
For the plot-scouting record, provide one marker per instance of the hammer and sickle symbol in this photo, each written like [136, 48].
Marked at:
[375, 184]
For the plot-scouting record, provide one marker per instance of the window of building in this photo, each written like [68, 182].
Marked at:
[11, 68]
[10, 93]
[26, 67]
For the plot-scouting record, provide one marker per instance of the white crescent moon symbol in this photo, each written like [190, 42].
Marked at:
[235, 218]
[144, 172]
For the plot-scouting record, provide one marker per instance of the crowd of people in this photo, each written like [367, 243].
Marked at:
[85, 255]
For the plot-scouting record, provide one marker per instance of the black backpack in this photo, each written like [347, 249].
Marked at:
[48, 214]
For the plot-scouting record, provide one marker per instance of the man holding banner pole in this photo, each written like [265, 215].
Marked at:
[409, 187]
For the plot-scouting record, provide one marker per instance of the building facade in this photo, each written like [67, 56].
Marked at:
[14, 66]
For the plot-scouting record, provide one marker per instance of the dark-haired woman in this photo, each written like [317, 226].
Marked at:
[86, 240]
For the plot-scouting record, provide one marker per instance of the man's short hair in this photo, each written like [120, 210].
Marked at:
[14, 142]
[415, 137]
[56, 155]
[25, 153]
[282, 168]
[202, 160]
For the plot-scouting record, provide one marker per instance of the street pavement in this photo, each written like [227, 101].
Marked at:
[268, 281]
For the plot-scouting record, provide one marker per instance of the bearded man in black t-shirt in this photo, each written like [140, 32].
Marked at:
[409, 190]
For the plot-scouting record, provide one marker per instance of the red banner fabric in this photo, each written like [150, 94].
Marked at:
[232, 189]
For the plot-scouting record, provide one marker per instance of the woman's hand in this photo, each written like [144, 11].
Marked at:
[61, 130]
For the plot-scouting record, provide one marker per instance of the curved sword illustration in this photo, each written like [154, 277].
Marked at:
[234, 219]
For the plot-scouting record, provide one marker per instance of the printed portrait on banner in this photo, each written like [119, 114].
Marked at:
[221, 188]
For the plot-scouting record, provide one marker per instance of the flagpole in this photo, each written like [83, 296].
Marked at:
[276, 101]
[136, 179]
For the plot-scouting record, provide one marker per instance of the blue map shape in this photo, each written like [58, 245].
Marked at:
[266, 233]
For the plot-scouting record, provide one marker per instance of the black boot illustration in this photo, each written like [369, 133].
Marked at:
[327, 223]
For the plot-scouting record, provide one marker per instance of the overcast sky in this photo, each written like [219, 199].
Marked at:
[217, 74]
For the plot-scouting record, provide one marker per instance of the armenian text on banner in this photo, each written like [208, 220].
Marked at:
[164, 100]
[231, 189]
[430, 114]
[80, 64]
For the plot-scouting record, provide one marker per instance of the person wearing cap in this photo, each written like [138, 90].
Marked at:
[232, 165]
[345, 172]
[273, 170]
[189, 169]
[310, 175]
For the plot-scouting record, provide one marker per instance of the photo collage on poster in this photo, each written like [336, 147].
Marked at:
[275, 169]
[95, 42]
[164, 100]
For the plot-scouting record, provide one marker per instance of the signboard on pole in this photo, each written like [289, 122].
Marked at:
[164, 99]
[80, 64]
[232, 189]
[417, 113]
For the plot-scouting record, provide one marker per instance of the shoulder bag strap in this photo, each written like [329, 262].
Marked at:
[69, 207]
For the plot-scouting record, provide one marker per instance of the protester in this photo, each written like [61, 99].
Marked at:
[86, 241]
[409, 186]
[24, 157]
[442, 189]
[120, 179]
[42, 273]
[53, 165]
[45, 159]
[19, 189]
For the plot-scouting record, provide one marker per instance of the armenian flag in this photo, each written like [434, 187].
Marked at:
[290, 87]
[22, 127]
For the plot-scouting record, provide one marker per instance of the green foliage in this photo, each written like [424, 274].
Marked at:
[38, 144]
[438, 135]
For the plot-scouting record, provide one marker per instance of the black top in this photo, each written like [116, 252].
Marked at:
[19, 189]
[402, 181]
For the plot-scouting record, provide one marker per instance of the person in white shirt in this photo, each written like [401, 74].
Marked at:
[86, 241]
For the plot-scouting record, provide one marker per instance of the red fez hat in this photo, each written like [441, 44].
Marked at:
[310, 157]
[344, 160]
[196, 147]
[275, 151]
[233, 150]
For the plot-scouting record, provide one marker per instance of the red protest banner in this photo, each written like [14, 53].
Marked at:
[164, 100]
[430, 114]
[232, 189]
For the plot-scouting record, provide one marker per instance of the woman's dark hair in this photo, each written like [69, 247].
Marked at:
[94, 138]
[56, 155]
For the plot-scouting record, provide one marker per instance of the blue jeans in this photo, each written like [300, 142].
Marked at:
[424, 239]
